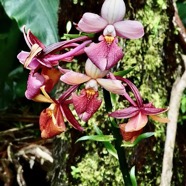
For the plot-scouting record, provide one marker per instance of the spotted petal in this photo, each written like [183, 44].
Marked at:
[86, 106]
[104, 55]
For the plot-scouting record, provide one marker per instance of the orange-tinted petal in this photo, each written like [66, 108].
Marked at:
[159, 119]
[51, 77]
[51, 121]
[129, 136]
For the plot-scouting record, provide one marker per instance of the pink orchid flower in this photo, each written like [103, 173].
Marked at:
[88, 103]
[52, 118]
[107, 53]
[41, 55]
[137, 114]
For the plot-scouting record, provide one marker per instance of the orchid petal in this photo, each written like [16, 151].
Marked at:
[91, 23]
[70, 117]
[70, 54]
[63, 44]
[125, 113]
[34, 51]
[113, 10]
[51, 77]
[136, 123]
[34, 40]
[93, 71]
[159, 119]
[114, 86]
[129, 29]
[22, 56]
[129, 136]
[134, 90]
[104, 55]
[41, 98]
[51, 121]
[44, 97]
[149, 109]
[74, 78]
[67, 93]
[86, 105]
[35, 81]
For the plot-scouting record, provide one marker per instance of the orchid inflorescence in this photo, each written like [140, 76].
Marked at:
[45, 72]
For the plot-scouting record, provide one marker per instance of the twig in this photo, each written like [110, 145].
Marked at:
[176, 94]
[16, 129]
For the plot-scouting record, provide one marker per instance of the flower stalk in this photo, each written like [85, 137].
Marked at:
[118, 142]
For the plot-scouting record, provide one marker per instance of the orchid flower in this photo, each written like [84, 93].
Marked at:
[52, 118]
[137, 114]
[107, 53]
[88, 103]
[41, 55]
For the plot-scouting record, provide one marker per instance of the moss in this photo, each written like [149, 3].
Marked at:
[147, 56]
[98, 169]
[147, 53]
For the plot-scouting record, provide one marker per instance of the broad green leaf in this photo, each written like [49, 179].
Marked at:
[138, 139]
[9, 42]
[101, 138]
[133, 177]
[38, 15]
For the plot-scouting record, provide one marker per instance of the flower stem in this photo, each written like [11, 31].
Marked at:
[121, 156]
[118, 141]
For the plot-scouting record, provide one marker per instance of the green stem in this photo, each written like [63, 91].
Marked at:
[121, 156]
[118, 141]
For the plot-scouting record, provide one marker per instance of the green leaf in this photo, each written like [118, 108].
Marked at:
[133, 177]
[40, 16]
[110, 148]
[72, 36]
[101, 138]
[124, 72]
[138, 139]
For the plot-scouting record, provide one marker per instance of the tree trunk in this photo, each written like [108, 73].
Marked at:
[155, 59]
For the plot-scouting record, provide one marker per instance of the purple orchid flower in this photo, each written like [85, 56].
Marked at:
[137, 114]
[41, 55]
[88, 103]
[107, 53]
[52, 118]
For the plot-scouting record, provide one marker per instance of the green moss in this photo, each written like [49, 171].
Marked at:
[90, 171]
